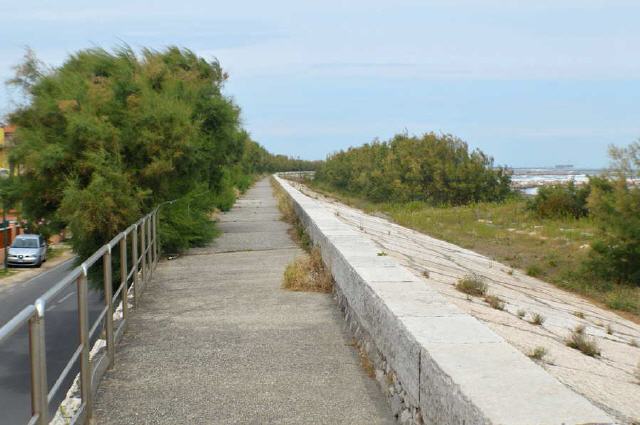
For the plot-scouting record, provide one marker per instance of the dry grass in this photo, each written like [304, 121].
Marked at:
[581, 342]
[537, 319]
[365, 361]
[473, 285]
[297, 231]
[284, 203]
[538, 353]
[308, 273]
[521, 313]
[495, 302]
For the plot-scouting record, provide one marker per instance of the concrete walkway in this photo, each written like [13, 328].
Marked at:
[216, 341]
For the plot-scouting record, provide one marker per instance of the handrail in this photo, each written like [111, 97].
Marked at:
[18, 320]
[142, 238]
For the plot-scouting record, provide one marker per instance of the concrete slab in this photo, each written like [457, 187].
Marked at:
[607, 381]
[215, 340]
[452, 364]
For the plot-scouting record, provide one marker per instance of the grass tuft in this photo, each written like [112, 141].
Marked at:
[537, 319]
[578, 314]
[365, 361]
[579, 340]
[297, 232]
[494, 301]
[473, 285]
[521, 313]
[609, 329]
[538, 353]
[308, 273]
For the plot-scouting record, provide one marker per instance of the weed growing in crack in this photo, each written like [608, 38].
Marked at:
[308, 273]
[473, 285]
[579, 340]
[538, 353]
[495, 302]
[537, 319]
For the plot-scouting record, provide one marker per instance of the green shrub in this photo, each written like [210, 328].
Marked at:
[534, 271]
[615, 253]
[560, 200]
[439, 169]
[107, 136]
[615, 207]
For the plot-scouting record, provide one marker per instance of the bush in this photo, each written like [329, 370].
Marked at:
[615, 253]
[438, 169]
[108, 136]
[560, 201]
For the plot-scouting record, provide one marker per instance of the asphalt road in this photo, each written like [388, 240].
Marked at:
[61, 326]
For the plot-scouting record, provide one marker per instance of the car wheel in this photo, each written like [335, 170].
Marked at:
[39, 263]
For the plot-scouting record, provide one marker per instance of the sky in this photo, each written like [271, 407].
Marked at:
[532, 83]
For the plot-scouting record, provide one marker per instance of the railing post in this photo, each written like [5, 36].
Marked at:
[134, 257]
[143, 253]
[156, 222]
[158, 246]
[154, 240]
[123, 277]
[108, 301]
[38, 357]
[83, 322]
[150, 245]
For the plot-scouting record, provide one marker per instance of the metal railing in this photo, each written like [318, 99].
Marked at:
[142, 237]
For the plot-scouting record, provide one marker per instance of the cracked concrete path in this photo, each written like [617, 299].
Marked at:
[608, 381]
[216, 341]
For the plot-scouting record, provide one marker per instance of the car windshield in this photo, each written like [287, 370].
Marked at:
[25, 243]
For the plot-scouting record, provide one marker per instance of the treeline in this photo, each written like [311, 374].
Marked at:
[263, 161]
[438, 169]
[107, 136]
[613, 202]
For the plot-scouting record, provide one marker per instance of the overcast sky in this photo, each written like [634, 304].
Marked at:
[530, 82]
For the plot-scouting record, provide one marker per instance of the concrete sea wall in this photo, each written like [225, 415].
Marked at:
[436, 364]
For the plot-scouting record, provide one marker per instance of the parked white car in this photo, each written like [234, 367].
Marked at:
[28, 250]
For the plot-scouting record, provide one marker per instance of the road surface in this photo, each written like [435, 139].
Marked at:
[61, 336]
